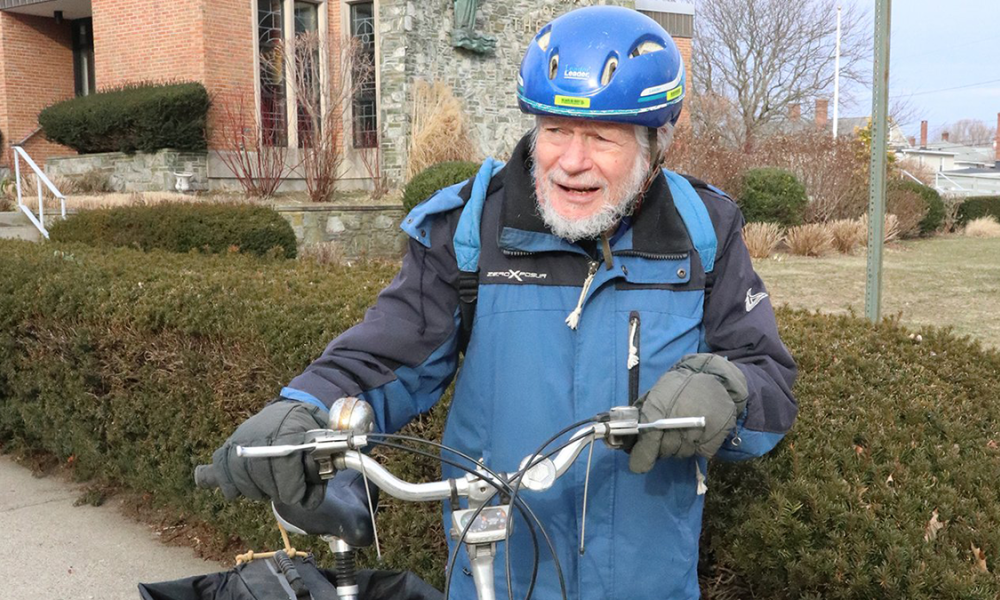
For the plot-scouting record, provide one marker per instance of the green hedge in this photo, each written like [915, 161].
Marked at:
[433, 178]
[935, 205]
[181, 227]
[978, 206]
[139, 364]
[772, 196]
[143, 118]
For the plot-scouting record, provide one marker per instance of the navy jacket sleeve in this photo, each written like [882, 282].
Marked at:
[740, 325]
[404, 354]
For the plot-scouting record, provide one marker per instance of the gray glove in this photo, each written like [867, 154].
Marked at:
[699, 385]
[282, 478]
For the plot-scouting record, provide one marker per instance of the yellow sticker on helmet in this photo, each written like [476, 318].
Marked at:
[573, 101]
[677, 91]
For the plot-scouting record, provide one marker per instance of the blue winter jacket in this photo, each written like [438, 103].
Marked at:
[526, 374]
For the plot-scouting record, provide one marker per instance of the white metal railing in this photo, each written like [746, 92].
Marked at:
[912, 176]
[37, 220]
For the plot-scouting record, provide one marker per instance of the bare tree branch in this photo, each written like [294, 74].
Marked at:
[764, 56]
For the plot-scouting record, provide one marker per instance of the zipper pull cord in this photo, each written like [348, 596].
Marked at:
[633, 352]
[609, 261]
[573, 320]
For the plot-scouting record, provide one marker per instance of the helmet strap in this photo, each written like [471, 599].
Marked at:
[655, 158]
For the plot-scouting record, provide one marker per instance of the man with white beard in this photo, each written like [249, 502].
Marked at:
[577, 277]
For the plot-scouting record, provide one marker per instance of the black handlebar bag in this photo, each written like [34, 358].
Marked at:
[264, 579]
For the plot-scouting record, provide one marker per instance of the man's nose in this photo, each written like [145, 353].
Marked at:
[576, 158]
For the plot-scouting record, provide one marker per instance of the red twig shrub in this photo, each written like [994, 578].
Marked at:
[259, 165]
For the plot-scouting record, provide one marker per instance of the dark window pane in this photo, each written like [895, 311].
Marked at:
[307, 56]
[83, 56]
[270, 28]
[364, 108]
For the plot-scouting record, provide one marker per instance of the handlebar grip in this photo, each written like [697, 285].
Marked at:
[205, 477]
[311, 468]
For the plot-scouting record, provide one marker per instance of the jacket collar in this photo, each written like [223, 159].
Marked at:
[657, 228]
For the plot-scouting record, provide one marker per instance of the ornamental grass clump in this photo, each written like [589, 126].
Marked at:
[890, 232]
[983, 227]
[762, 238]
[848, 234]
[813, 239]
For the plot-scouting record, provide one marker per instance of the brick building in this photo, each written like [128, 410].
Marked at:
[51, 50]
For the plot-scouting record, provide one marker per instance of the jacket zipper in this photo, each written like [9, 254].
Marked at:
[651, 255]
[573, 320]
[516, 253]
[633, 358]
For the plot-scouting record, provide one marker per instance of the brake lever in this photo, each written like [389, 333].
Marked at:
[324, 445]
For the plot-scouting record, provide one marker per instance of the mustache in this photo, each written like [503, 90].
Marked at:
[559, 177]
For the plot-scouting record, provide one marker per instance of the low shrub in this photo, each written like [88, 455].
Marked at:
[762, 238]
[182, 227]
[134, 118]
[813, 239]
[142, 363]
[435, 177]
[934, 215]
[983, 227]
[910, 210]
[978, 206]
[772, 195]
[847, 234]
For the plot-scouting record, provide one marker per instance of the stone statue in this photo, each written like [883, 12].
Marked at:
[464, 34]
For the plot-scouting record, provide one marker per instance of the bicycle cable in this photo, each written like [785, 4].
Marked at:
[517, 488]
[520, 504]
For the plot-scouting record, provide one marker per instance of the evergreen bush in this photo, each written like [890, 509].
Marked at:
[773, 196]
[181, 227]
[934, 216]
[978, 206]
[138, 365]
[433, 178]
[134, 118]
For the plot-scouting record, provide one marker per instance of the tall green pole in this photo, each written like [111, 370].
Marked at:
[877, 172]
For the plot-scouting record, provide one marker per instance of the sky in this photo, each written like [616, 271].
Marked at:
[935, 47]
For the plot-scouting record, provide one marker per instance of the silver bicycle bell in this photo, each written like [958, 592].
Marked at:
[352, 414]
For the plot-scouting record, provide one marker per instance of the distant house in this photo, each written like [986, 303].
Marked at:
[847, 127]
[959, 169]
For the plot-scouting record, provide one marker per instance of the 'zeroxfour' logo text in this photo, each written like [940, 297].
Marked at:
[517, 275]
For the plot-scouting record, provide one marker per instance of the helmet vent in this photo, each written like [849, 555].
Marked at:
[543, 40]
[553, 66]
[609, 69]
[646, 48]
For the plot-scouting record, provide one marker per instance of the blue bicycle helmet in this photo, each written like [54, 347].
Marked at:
[606, 63]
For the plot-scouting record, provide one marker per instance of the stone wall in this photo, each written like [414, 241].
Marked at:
[356, 231]
[415, 43]
[140, 172]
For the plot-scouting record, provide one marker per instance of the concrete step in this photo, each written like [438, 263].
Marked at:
[21, 232]
[14, 218]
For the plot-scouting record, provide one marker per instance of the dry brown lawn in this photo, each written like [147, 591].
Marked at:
[948, 281]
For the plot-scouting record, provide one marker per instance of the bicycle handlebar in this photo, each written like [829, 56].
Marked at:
[539, 475]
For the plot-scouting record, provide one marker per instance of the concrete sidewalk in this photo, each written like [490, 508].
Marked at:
[52, 549]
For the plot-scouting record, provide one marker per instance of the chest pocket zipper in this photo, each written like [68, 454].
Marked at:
[633, 357]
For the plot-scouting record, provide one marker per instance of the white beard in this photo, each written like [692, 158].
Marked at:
[617, 201]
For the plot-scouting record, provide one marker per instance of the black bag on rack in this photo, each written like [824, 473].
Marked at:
[263, 579]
